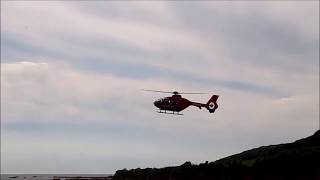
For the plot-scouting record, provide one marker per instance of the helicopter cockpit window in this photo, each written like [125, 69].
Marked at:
[166, 101]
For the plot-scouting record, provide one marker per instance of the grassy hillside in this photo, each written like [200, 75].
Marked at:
[297, 160]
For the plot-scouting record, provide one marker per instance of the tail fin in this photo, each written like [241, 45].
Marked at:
[212, 103]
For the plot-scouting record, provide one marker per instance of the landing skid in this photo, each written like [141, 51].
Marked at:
[170, 112]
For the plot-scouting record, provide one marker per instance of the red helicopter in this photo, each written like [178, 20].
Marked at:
[177, 103]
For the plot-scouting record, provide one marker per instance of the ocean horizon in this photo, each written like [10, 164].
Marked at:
[56, 176]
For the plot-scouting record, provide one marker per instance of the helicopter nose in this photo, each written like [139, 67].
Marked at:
[156, 104]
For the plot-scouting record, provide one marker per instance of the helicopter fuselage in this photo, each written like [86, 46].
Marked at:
[175, 103]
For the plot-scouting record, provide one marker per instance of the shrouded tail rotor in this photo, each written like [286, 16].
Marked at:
[212, 103]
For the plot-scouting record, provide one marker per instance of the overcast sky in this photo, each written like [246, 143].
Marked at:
[72, 74]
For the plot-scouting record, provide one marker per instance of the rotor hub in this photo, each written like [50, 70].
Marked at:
[175, 92]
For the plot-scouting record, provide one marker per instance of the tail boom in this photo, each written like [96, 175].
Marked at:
[199, 105]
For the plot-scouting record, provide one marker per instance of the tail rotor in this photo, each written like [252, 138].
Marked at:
[212, 103]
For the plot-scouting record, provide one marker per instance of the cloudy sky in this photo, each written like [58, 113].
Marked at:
[72, 74]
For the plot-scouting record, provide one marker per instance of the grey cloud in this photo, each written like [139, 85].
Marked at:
[252, 37]
[132, 70]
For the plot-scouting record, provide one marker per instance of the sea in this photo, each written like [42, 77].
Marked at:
[56, 176]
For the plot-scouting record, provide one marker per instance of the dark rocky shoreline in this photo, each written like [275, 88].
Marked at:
[81, 178]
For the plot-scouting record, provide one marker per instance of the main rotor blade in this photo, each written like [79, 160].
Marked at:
[157, 91]
[174, 92]
[194, 93]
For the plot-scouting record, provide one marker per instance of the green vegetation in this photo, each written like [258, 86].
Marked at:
[297, 160]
